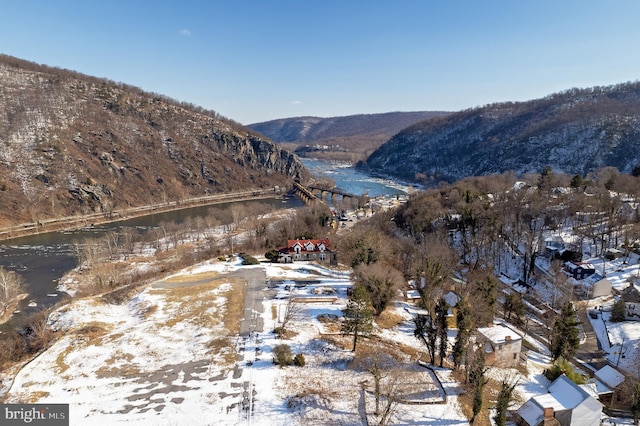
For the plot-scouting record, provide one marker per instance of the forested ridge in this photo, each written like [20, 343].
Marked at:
[348, 138]
[575, 131]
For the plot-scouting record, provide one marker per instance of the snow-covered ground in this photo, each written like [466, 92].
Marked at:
[166, 358]
[620, 340]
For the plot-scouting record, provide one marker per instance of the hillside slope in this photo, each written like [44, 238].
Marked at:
[576, 131]
[350, 137]
[73, 144]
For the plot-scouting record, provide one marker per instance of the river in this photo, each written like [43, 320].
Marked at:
[353, 181]
[43, 259]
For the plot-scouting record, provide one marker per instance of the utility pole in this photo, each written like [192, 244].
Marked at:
[621, 352]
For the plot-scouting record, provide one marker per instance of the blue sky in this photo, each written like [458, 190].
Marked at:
[260, 60]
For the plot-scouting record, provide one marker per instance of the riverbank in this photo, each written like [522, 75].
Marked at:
[11, 307]
[80, 221]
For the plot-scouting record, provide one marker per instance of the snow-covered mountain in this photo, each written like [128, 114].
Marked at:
[575, 132]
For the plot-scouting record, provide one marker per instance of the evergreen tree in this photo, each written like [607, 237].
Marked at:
[426, 330]
[502, 404]
[486, 292]
[618, 313]
[565, 334]
[577, 181]
[477, 402]
[635, 401]
[561, 366]
[546, 179]
[358, 315]
[442, 308]
[513, 305]
[464, 324]
[476, 371]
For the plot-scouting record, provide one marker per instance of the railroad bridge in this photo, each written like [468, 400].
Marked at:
[324, 190]
[304, 193]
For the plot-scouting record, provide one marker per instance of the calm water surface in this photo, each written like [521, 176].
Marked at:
[43, 259]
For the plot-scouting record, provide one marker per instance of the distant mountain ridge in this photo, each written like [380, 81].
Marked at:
[353, 133]
[575, 132]
[73, 144]
[312, 129]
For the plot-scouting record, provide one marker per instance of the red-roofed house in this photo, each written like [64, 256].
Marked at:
[307, 250]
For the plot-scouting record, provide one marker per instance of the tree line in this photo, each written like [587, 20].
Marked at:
[460, 236]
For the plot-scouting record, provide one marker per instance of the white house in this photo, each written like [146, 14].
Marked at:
[631, 297]
[593, 286]
[566, 402]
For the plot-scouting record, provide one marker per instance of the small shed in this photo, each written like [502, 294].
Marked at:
[607, 380]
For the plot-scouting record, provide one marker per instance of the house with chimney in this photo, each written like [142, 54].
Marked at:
[502, 345]
[565, 404]
[309, 250]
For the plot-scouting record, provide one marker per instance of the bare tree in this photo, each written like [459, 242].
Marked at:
[238, 212]
[112, 242]
[10, 285]
[291, 311]
[90, 251]
[128, 238]
[379, 364]
[562, 290]
[392, 383]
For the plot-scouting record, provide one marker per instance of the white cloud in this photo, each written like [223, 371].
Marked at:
[296, 102]
[185, 32]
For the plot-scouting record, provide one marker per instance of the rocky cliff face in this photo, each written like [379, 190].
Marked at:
[70, 144]
[574, 132]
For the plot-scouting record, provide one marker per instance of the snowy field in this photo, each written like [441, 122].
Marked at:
[168, 358]
[172, 356]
